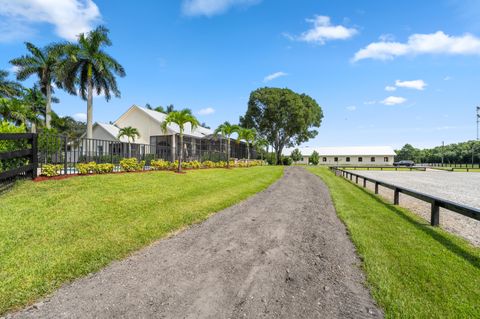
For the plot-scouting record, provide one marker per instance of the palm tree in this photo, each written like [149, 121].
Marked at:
[8, 88]
[262, 143]
[181, 118]
[45, 64]
[130, 133]
[249, 135]
[91, 68]
[36, 102]
[226, 130]
[16, 111]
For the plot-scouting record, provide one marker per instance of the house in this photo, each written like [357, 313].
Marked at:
[357, 155]
[198, 144]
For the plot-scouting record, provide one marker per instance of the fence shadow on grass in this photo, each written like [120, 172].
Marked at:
[429, 230]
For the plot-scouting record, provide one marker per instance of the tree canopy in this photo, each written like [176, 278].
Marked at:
[296, 155]
[283, 117]
[464, 152]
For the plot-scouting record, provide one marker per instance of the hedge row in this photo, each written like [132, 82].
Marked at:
[132, 165]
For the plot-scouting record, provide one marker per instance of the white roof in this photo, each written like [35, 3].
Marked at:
[160, 118]
[112, 130]
[345, 151]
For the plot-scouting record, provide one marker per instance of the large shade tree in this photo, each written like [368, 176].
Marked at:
[88, 68]
[181, 118]
[283, 117]
[226, 130]
[44, 63]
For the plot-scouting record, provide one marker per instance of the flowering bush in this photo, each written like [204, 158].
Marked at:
[51, 170]
[87, 168]
[104, 168]
[131, 165]
[160, 164]
[208, 164]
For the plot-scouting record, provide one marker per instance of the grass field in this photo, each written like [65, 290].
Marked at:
[413, 270]
[55, 231]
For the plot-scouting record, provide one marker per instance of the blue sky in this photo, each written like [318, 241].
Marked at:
[384, 72]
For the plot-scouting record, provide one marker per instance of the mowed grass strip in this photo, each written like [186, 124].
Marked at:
[414, 270]
[55, 231]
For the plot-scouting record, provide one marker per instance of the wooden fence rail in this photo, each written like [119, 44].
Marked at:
[435, 202]
[30, 154]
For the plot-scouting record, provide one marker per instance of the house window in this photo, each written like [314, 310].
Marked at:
[360, 159]
[335, 159]
[348, 159]
[385, 159]
[100, 150]
[324, 159]
[372, 159]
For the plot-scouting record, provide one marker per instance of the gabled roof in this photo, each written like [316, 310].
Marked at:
[345, 151]
[160, 117]
[113, 131]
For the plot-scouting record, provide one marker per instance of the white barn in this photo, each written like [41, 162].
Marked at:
[356, 155]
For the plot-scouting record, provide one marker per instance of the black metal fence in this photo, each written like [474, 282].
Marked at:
[435, 202]
[68, 152]
[450, 165]
[18, 158]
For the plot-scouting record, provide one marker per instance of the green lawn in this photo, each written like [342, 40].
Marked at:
[414, 270]
[52, 232]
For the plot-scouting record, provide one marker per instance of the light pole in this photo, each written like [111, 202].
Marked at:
[478, 119]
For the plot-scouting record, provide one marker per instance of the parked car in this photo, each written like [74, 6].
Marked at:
[404, 163]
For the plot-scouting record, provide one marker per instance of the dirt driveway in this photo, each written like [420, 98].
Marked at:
[280, 254]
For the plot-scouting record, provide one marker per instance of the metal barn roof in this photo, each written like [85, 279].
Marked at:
[345, 151]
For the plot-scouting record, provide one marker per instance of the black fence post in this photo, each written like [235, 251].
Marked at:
[435, 215]
[376, 187]
[34, 155]
[65, 150]
[396, 196]
[356, 179]
[364, 182]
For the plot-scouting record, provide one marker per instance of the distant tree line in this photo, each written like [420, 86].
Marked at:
[456, 153]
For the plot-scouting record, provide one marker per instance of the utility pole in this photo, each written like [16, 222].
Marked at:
[443, 150]
[478, 119]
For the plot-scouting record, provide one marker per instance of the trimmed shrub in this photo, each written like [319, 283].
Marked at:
[51, 170]
[159, 165]
[131, 165]
[104, 168]
[208, 164]
[287, 161]
[87, 168]
[221, 164]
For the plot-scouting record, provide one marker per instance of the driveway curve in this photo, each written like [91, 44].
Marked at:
[282, 253]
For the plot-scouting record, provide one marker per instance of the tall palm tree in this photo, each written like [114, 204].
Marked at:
[226, 130]
[16, 111]
[130, 133]
[181, 118]
[36, 102]
[90, 68]
[249, 135]
[8, 88]
[260, 143]
[44, 63]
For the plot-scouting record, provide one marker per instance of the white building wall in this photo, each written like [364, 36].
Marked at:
[145, 125]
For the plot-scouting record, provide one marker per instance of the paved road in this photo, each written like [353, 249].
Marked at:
[280, 254]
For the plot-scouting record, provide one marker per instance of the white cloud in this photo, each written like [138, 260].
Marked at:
[415, 84]
[323, 31]
[351, 108]
[212, 7]
[390, 88]
[206, 111]
[13, 69]
[432, 43]
[80, 117]
[70, 17]
[393, 100]
[447, 78]
[369, 102]
[274, 76]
